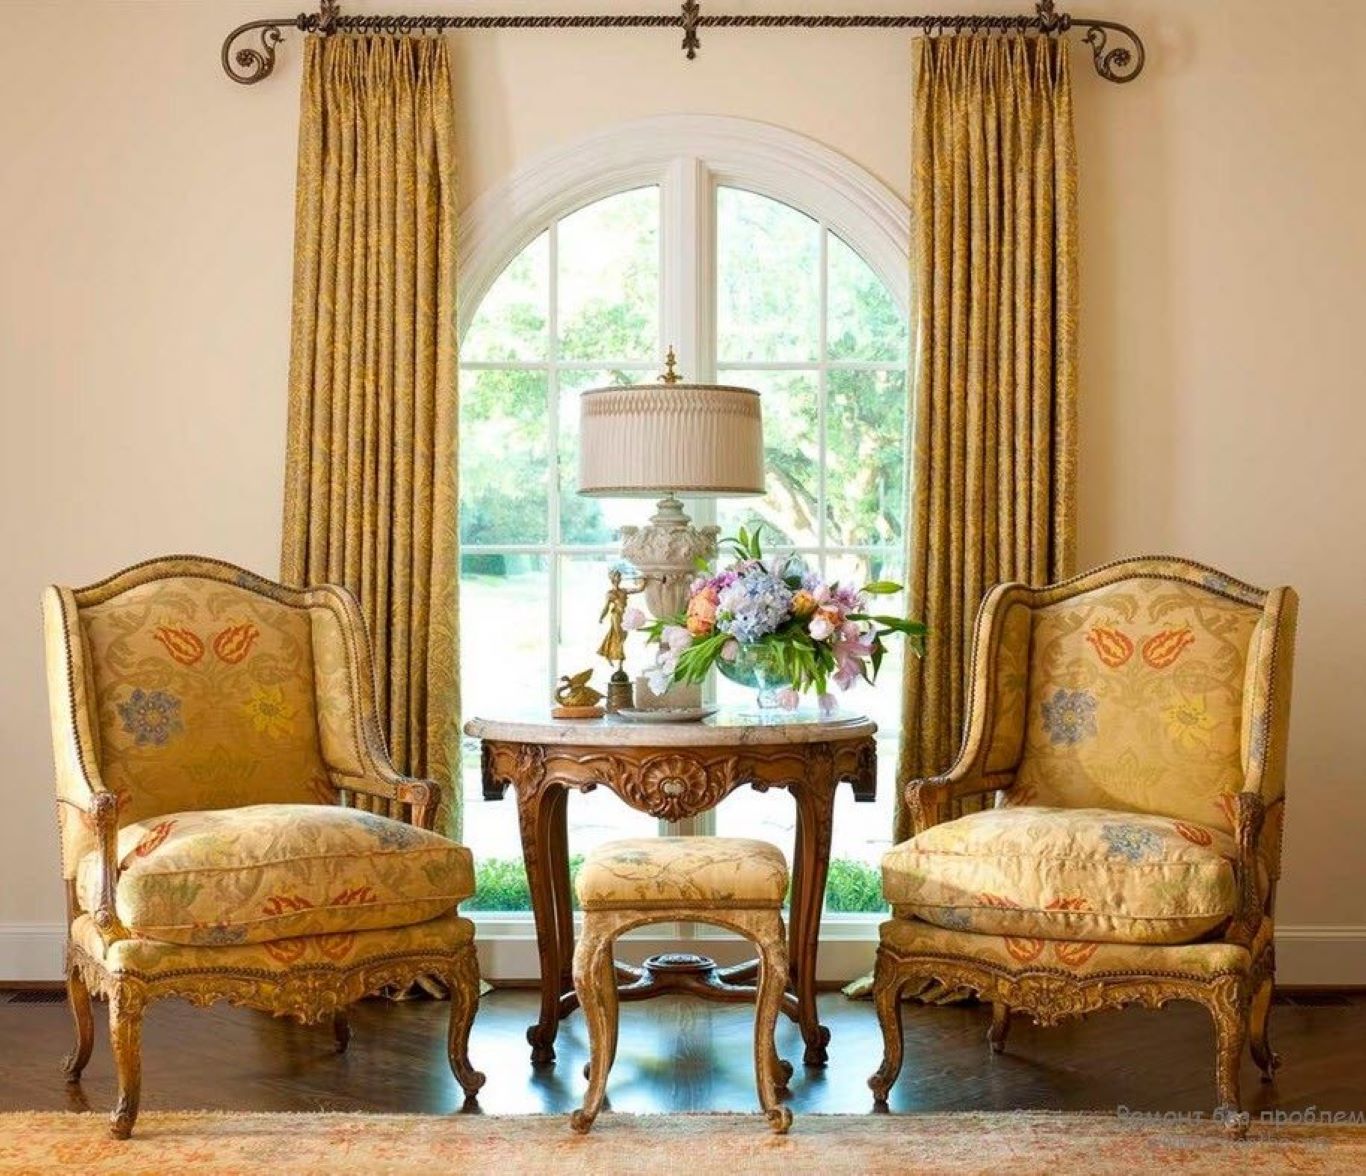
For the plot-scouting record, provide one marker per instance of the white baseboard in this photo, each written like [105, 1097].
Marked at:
[31, 951]
[1306, 954]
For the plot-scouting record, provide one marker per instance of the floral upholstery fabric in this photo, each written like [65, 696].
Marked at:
[267, 872]
[1079, 874]
[203, 698]
[279, 958]
[1078, 959]
[682, 871]
[1135, 701]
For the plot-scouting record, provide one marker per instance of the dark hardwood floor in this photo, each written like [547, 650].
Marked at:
[684, 1055]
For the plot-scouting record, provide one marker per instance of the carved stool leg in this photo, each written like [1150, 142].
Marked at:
[463, 983]
[771, 942]
[341, 1030]
[1000, 1026]
[1229, 1008]
[125, 1032]
[595, 981]
[79, 997]
[887, 987]
[1268, 1061]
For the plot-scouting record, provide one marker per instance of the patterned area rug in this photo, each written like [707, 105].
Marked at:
[543, 1144]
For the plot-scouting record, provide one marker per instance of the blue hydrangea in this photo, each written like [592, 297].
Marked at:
[754, 605]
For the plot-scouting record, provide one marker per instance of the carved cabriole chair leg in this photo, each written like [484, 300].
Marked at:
[595, 981]
[887, 987]
[1268, 1061]
[79, 996]
[125, 1033]
[463, 984]
[1000, 1026]
[341, 1030]
[772, 943]
[1229, 1007]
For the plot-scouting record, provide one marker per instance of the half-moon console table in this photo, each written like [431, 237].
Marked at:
[674, 771]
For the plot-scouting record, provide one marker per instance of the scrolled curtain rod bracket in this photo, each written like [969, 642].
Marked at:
[254, 62]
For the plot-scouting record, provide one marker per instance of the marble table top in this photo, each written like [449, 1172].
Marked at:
[725, 728]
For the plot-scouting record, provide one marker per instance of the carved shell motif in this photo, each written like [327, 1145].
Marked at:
[672, 787]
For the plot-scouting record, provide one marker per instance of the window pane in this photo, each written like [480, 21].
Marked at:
[504, 666]
[791, 457]
[504, 457]
[865, 439]
[609, 279]
[768, 280]
[589, 520]
[862, 833]
[863, 322]
[512, 322]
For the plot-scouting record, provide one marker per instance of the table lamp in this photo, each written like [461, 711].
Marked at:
[670, 439]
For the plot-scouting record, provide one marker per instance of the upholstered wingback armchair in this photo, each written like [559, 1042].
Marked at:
[1131, 724]
[231, 825]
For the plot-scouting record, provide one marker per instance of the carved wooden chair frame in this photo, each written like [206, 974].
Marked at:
[311, 993]
[1238, 998]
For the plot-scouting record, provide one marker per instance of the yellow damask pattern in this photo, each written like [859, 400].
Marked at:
[203, 698]
[1135, 701]
[674, 871]
[264, 872]
[151, 959]
[1079, 874]
[994, 205]
[370, 448]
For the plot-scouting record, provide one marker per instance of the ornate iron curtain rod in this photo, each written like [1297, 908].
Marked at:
[252, 63]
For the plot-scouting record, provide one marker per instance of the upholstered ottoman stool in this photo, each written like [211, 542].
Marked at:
[729, 882]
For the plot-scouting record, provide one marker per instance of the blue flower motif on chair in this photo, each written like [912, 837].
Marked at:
[1131, 841]
[1069, 717]
[389, 833]
[151, 717]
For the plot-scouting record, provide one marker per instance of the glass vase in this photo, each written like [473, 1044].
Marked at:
[758, 666]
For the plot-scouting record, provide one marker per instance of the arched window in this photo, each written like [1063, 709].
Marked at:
[766, 261]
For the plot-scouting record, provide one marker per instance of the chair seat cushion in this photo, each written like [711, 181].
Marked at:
[1070, 874]
[275, 871]
[321, 957]
[703, 872]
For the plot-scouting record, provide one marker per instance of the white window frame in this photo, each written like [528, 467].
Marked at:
[688, 157]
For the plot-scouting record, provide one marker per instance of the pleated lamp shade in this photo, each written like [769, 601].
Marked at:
[651, 439]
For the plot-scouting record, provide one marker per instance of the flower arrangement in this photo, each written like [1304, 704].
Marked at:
[775, 621]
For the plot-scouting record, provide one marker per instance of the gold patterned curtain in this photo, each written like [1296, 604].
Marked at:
[370, 477]
[994, 203]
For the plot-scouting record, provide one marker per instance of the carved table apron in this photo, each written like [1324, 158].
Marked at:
[672, 772]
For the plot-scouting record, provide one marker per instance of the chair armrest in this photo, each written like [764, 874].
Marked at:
[423, 797]
[1249, 816]
[102, 813]
[929, 799]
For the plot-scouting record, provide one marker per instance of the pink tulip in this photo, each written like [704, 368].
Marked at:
[788, 698]
[730, 651]
[632, 619]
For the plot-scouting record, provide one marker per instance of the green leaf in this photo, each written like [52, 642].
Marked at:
[882, 588]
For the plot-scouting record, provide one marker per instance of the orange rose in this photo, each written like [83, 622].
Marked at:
[803, 604]
[702, 612]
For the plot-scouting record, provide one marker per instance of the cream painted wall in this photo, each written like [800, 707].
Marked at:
[146, 205]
